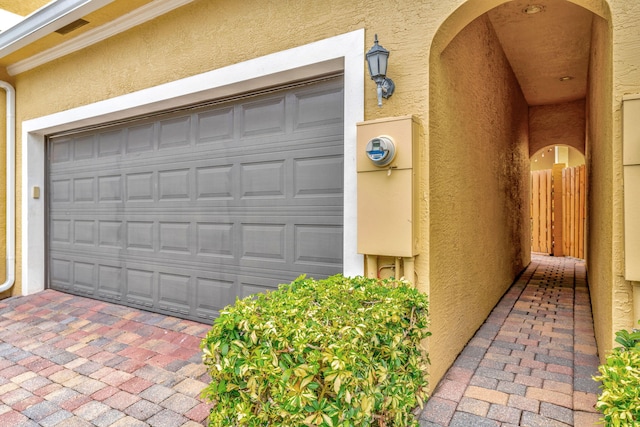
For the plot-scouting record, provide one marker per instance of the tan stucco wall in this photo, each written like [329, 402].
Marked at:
[209, 34]
[479, 186]
[626, 80]
[22, 7]
[205, 35]
[599, 163]
[557, 124]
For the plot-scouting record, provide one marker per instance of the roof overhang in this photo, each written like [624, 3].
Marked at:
[45, 21]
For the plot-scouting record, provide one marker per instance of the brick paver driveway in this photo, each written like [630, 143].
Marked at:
[71, 361]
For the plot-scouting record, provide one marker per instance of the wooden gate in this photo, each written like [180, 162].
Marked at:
[573, 197]
[558, 211]
[541, 211]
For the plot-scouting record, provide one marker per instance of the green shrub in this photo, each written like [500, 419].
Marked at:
[334, 352]
[619, 401]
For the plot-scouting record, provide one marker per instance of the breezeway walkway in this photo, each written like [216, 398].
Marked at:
[531, 362]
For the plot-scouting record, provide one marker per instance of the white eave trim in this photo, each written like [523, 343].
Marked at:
[117, 26]
[45, 21]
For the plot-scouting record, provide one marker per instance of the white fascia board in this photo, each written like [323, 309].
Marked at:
[45, 21]
[136, 17]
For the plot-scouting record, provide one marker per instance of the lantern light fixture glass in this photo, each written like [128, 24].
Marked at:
[378, 58]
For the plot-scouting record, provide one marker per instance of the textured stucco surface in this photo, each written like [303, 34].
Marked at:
[626, 80]
[479, 186]
[205, 35]
[599, 164]
[557, 124]
[473, 153]
[22, 7]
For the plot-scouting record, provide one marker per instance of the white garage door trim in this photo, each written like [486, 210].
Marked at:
[343, 53]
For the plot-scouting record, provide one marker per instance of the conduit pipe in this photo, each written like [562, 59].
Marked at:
[11, 187]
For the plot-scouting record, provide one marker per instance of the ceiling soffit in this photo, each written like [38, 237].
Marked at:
[548, 50]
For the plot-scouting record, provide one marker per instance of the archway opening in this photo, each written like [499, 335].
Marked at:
[546, 157]
[506, 80]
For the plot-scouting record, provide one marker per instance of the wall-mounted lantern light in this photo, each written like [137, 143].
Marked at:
[377, 58]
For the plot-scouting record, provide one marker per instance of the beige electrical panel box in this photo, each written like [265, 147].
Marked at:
[631, 167]
[387, 157]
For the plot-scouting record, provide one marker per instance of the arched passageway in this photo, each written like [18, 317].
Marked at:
[504, 80]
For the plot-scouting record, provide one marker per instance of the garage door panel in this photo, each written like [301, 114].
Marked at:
[215, 239]
[318, 176]
[84, 190]
[175, 133]
[140, 138]
[61, 190]
[176, 234]
[110, 188]
[214, 182]
[139, 186]
[60, 151]
[318, 108]
[215, 126]
[140, 286]
[111, 281]
[262, 118]
[61, 231]
[175, 237]
[241, 151]
[60, 272]
[175, 292]
[84, 232]
[248, 287]
[140, 235]
[318, 244]
[83, 148]
[263, 179]
[110, 234]
[184, 212]
[263, 242]
[110, 143]
[84, 277]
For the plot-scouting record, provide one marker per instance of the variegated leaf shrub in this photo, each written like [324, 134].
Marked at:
[619, 401]
[335, 352]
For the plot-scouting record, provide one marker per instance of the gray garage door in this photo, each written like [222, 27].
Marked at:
[183, 212]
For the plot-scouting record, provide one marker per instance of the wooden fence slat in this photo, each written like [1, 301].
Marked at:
[566, 216]
[549, 215]
[571, 206]
[536, 211]
[543, 212]
[558, 230]
[564, 211]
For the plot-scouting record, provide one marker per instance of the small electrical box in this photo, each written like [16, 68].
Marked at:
[387, 155]
[631, 174]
